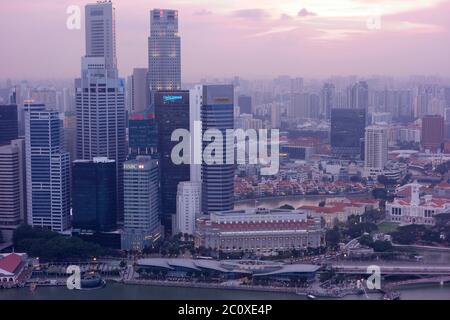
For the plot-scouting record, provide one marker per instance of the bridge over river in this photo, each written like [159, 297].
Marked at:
[393, 269]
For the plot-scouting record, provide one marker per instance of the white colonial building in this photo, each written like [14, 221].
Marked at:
[416, 209]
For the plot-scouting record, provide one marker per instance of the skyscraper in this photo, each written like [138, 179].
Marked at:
[142, 134]
[376, 150]
[433, 132]
[217, 179]
[94, 197]
[195, 127]
[347, 132]
[142, 224]
[189, 206]
[359, 96]
[164, 46]
[9, 126]
[12, 187]
[100, 95]
[172, 113]
[101, 34]
[328, 92]
[137, 91]
[245, 104]
[47, 169]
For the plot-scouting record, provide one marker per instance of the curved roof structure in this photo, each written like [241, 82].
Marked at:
[256, 268]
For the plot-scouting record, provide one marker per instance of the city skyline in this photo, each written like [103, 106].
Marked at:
[301, 37]
[219, 157]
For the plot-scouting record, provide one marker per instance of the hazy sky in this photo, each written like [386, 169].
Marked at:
[248, 38]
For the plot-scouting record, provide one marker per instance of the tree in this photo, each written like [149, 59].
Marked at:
[373, 216]
[50, 245]
[333, 237]
[287, 207]
[366, 240]
[381, 193]
[357, 230]
[409, 234]
[382, 246]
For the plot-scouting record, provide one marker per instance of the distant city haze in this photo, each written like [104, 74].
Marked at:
[252, 38]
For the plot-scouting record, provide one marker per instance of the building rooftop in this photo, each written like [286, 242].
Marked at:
[10, 263]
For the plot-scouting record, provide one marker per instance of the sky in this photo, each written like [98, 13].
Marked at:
[251, 38]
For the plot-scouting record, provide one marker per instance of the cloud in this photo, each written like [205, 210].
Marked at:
[203, 12]
[255, 14]
[286, 17]
[305, 13]
[275, 30]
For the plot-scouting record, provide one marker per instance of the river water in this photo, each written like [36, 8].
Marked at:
[116, 291]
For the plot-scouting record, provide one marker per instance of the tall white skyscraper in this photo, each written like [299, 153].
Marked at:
[48, 170]
[376, 150]
[164, 51]
[195, 127]
[100, 95]
[189, 206]
[101, 34]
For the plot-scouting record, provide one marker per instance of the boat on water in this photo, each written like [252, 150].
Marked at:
[311, 297]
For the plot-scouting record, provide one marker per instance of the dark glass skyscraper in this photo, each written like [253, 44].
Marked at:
[94, 201]
[9, 126]
[433, 132]
[217, 112]
[245, 104]
[347, 132]
[142, 134]
[172, 113]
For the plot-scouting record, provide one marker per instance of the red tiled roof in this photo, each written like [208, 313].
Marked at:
[443, 185]
[10, 263]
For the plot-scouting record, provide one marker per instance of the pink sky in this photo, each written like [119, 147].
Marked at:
[251, 38]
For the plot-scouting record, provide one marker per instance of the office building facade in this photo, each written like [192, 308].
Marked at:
[245, 104]
[142, 134]
[433, 132]
[347, 132]
[376, 150]
[172, 113]
[142, 224]
[100, 96]
[217, 113]
[94, 198]
[137, 91]
[12, 188]
[100, 27]
[189, 206]
[47, 170]
[164, 51]
[9, 125]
